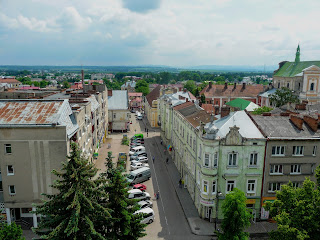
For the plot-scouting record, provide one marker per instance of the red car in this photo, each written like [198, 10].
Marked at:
[140, 186]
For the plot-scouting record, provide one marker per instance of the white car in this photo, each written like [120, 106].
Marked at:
[136, 165]
[148, 215]
[145, 204]
[142, 159]
[137, 113]
[138, 194]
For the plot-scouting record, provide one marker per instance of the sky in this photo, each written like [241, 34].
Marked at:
[157, 32]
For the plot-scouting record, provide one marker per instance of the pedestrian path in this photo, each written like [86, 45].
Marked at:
[198, 225]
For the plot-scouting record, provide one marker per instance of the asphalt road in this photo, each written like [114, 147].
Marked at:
[172, 219]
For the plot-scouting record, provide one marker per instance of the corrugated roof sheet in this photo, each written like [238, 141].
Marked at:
[268, 93]
[290, 69]
[37, 112]
[281, 127]
[118, 100]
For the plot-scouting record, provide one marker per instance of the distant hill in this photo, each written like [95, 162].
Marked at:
[232, 68]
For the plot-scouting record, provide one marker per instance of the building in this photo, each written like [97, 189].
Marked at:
[302, 77]
[10, 82]
[151, 106]
[221, 94]
[35, 136]
[135, 101]
[264, 98]
[130, 86]
[118, 108]
[291, 151]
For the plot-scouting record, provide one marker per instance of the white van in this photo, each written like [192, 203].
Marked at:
[139, 175]
[139, 116]
[137, 150]
[148, 215]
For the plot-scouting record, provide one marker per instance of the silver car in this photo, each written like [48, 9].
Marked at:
[145, 204]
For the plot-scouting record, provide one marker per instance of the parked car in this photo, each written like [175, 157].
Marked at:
[142, 159]
[138, 176]
[140, 186]
[137, 150]
[138, 194]
[137, 113]
[148, 215]
[145, 204]
[135, 145]
[136, 165]
[135, 156]
[138, 140]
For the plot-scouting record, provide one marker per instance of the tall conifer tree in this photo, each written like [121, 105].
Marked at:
[70, 213]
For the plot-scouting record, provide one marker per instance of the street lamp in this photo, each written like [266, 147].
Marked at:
[219, 194]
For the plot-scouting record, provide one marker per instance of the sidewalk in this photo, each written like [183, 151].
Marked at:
[202, 227]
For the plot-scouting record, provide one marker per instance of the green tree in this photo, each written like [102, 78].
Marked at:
[10, 231]
[71, 213]
[66, 84]
[43, 84]
[190, 86]
[142, 86]
[297, 212]
[236, 216]
[164, 77]
[261, 110]
[283, 96]
[203, 98]
[124, 225]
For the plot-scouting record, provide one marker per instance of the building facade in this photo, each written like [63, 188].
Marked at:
[118, 108]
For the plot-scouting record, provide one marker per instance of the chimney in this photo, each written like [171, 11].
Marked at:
[244, 85]
[225, 85]
[211, 117]
[234, 86]
[301, 106]
[297, 121]
[225, 111]
[210, 85]
[216, 110]
[110, 92]
[184, 90]
[311, 122]
[82, 77]
[266, 114]
[282, 63]
[305, 102]
[285, 114]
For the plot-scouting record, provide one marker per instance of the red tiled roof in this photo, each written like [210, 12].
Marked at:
[135, 94]
[9, 80]
[198, 117]
[220, 91]
[208, 107]
[183, 105]
[153, 95]
[29, 112]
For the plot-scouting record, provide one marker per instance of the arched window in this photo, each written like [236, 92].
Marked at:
[311, 86]
[288, 85]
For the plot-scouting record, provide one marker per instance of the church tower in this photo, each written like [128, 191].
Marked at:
[297, 60]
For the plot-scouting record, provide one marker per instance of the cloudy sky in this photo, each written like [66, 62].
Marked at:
[166, 32]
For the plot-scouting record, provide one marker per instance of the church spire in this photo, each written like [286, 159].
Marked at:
[297, 54]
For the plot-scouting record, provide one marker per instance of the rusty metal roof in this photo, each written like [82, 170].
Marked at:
[16, 113]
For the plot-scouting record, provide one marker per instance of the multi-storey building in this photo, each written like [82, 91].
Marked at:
[291, 151]
[151, 106]
[119, 114]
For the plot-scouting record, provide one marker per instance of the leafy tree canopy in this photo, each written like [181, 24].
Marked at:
[283, 96]
[261, 110]
[10, 231]
[142, 86]
[190, 86]
[66, 84]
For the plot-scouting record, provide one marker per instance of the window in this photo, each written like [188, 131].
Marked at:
[255, 143]
[288, 85]
[274, 187]
[194, 144]
[295, 169]
[297, 150]
[253, 159]
[10, 170]
[314, 152]
[251, 186]
[200, 151]
[206, 160]
[278, 150]
[8, 149]
[114, 115]
[205, 187]
[278, 85]
[215, 160]
[311, 86]
[187, 137]
[198, 177]
[230, 185]
[276, 169]
[232, 159]
[12, 190]
[214, 187]
[295, 184]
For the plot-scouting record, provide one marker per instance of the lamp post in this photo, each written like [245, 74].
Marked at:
[219, 194]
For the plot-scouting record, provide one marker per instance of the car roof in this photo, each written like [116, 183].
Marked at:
[142, 202]
[138, 184]
[145, 210]
[134, 191]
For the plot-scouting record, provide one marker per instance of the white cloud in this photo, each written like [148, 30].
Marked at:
[71, 19]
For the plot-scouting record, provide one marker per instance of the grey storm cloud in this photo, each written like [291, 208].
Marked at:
[141, 6]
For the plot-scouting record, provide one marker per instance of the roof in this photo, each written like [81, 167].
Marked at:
[290, 69]
[94, 103]
[247, 128]
[135, 94]
[208, 107]
[131, 83]
[9, 80]
[179, 97]
[268, 93]
[118, 100]
[239, 91]
[281, 127]
[242, 104]
[22, 113]
[153, 95]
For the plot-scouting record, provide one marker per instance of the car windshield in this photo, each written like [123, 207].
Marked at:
[130, 177]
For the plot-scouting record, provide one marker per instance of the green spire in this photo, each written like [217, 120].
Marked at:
[297, 54]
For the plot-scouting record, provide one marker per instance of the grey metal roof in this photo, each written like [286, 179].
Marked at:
[240, 119]
[94, 103]
[268, 93]
[118, 100]
[281, 127]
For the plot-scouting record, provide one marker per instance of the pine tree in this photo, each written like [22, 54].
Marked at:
[124, 225]
[70, 213]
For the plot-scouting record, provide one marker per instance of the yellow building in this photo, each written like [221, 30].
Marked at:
[151, 106]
